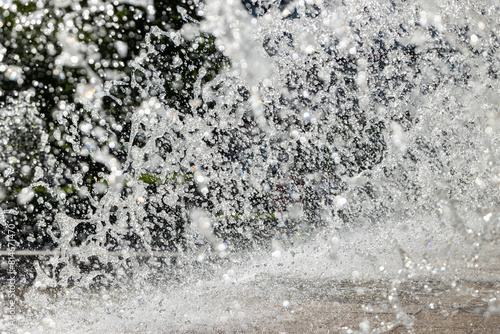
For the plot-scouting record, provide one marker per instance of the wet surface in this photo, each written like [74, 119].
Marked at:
[336, 307]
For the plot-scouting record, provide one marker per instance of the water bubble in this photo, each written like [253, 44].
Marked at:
[340, 202]
[26, 170]
[25, 196]
[361, 79]
[474, 39]
[89, 93]
[86, 127]
[335, 241]
[222, 247]
[336, 158]
[364, 326]
[48, 322]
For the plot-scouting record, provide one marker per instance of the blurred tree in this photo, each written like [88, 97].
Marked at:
[57, 59]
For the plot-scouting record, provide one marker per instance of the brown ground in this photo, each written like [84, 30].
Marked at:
[427, 307]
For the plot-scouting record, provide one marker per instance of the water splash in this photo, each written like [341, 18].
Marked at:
[360, 135]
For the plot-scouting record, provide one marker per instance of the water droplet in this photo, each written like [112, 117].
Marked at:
[25, 196]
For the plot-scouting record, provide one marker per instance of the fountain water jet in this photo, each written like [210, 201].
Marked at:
[338, 142]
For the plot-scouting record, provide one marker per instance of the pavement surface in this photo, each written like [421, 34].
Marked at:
[421, 307]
